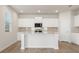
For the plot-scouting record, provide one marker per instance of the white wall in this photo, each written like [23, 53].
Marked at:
[75, 33]
[7, 38]
[65, 26]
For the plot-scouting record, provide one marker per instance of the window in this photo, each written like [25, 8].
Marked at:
[8, 20]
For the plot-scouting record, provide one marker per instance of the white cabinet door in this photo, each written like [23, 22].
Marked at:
[76, 20]
[50, 22]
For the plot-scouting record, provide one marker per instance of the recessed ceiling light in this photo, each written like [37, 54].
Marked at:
[21, 11]
[56, 11]
[38, 11]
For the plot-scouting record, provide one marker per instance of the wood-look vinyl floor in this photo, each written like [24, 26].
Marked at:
[64, 47]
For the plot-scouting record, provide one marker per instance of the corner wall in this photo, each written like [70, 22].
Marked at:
[7, 38]
[65, 22]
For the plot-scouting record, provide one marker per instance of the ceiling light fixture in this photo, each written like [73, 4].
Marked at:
[56, 11]
[21, 11]
[38, 11]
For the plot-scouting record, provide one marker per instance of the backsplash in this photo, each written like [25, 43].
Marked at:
[49, 29]
[52, 29]
[75, 30]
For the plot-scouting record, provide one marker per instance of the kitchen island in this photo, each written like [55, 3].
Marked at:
[39, 40]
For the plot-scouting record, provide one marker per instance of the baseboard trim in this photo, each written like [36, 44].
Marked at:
[65, 41]
[7, 46]
[70, 42]
[74, 43]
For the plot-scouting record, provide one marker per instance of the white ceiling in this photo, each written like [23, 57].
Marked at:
[32, 9]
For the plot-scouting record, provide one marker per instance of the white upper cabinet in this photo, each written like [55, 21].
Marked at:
[76, 20]
[26, 22]
[50, 22]
[29, 22]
